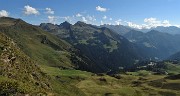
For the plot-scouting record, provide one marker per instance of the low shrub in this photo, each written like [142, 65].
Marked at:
[8, 88]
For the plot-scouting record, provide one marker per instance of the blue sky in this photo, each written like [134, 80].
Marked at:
[134, 13]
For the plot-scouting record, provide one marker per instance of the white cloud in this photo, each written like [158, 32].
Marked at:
[118, 22]
[110, 19]
[133, 25]
[67, 18]
[28, 10]
[4, 13]
[102, 23]
[84, 19]
[101, 9]
[52, 19]
[49, 11]
[104, 17]
[151, 20]
[177, 25]
[166, 23]
[91, 18]
[78, 15]
[150, 23]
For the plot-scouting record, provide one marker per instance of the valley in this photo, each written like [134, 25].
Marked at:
[86, 60]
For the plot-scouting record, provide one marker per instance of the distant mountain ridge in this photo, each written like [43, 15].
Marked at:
[155, 43]
[171, 29]
[107, 49]
[122, 29]
[159, 42]
[175, 56]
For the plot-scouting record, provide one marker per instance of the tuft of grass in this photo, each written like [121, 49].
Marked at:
[54, 71]
[172, 68]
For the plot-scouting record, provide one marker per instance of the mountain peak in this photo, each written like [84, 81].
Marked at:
[8, 18]
[65, 25]
[80, 23]
[105, 28]
[45, 24]
[153, 31]
[8, 21]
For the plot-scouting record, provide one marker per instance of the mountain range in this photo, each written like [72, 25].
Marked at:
[87, 47]
[171, 29]
[122, 29]
[47, 59]
[155, 44]
[175, 56]
[104, 47]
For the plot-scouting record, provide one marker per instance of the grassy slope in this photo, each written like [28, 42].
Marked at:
[29, 38]
[40, 46]
[18, 73]
[77, 82]
[172, 68]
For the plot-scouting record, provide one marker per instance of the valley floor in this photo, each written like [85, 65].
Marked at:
[82, 83]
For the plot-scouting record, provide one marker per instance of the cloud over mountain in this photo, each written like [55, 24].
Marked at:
[150, 23]
[78, 15]
[49, 11]
[28, 10]
[52, 19]
[4, 13]
[84, 19]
